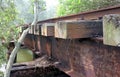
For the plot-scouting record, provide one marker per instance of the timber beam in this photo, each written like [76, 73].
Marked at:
[78, 29]
[47, 29]
[111, 29]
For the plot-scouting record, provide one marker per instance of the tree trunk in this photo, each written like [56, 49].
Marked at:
[20, 40]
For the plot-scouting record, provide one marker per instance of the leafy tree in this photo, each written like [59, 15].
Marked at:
[66, 7]
[8, 30]
[26, 12]
[1, 74]
[20, 40]
[9, 21]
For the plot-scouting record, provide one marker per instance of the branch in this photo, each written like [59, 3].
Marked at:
[20, 40]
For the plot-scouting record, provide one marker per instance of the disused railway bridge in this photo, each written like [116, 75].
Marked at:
[85, 44]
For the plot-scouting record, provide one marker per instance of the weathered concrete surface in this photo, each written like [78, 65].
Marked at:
[88, 57]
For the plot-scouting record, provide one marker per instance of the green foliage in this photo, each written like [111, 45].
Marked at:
[8, 30]
[66, 7]
[2, 54]
[41, 5]
[1, 74]
[9, 19]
